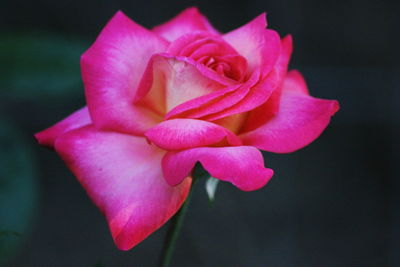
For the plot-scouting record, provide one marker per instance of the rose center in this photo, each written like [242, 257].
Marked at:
[214, 53]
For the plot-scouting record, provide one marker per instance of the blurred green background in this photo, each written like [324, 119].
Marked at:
[38, 70]
[334, 203]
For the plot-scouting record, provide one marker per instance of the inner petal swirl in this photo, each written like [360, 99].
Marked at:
[212, 52]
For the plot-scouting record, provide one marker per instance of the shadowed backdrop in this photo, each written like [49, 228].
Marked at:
[334, 203]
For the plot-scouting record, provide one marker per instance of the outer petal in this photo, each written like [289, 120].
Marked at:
[179, 134]
[122, 175]
[294, 82]
[299, 121]
[112, 69]
[261, 114]
[259, 46]
[243, 166]
[187, 21]
[76, 120]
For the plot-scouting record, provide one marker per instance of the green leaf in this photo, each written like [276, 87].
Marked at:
[18, 191]
[211, 187]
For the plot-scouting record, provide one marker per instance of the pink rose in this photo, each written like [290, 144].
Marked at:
[160, 100]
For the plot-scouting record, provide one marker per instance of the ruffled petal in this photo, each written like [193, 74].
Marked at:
[214, 102]
[263, 90]
[170, 81]
[255, 97]
[213, 56]
[204, 105]
[112, 69]
[243, 166]
[187, 21]
[179, 134]
[122, 175]
[299, 121]
[76, 120]
[261, 47]
[259, 115]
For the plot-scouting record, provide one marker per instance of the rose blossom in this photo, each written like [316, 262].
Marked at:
[160, 100]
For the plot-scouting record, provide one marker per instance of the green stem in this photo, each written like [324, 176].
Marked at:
[173, 231]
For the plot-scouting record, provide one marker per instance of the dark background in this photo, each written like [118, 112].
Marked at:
[334, 203]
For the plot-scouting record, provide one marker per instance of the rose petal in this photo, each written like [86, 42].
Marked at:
[76, 120]
[187, 21]
[234, 122]
[259, 46]
[263, 90]
[122, 175]
[295, 82]
[196, 105]
[214, 102]
[189, 43]
[256, 96]
[112, 69]
[227, 101]
[299, 121]
[170, 81]
[179, 134]
[224, 100]
[261, 114]
[192, 45]
[243, 166]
